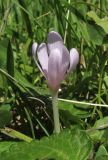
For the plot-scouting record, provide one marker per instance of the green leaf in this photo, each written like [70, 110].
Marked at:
[6, 61]
[84, 31]
[101, 22]
[73, 110]
[73, 144]
[102, 153]
[23, 82]
[28, 69]
[101, 122]
[97, 32]
[15, 134]
[94, 16]
[26, 18]
[3, 53]
[100, 131]
[5, 115]
[10, 60]
[3, 61]
[20, 81]
[4, 146]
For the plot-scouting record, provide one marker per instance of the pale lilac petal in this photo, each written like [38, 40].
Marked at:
[54, 37]
[34, 48]
[54, 65]
[37, 64]
[58, 65]
[54, 41]
[64, 63]
[43, 56]
[74, 59]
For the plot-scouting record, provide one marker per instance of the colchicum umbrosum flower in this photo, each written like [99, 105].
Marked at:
[55, 62]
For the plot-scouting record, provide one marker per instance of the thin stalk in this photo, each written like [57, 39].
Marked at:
[83, 103]
[30, 122]
[66, 29]
[40, 124]
[56, 112]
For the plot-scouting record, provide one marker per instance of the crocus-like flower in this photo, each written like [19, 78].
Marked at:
[55, 61]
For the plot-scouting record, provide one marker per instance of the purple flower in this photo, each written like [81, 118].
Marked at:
[54, 60]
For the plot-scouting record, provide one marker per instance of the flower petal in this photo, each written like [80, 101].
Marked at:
[34, 48]
[43, 56]
[64, 63]
[54, 65]
[74, 59]
[54, 37]
[54, 41]
[57, 66]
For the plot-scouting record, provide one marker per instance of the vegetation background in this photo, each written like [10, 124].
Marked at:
[25, 103]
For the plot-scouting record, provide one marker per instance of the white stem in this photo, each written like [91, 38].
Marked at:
[84, 103]
[56, 113]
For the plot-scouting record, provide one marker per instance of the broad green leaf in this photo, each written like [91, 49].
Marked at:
[100, 131]
[97, 32]
[4, 146]
[101, 122]
[78, 111]
[101, 22]
[104, 24]
[102, 153]
[68, 145]
[103, 157]
[94, 16]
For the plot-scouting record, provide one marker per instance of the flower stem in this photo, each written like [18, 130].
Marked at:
[56, 112]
